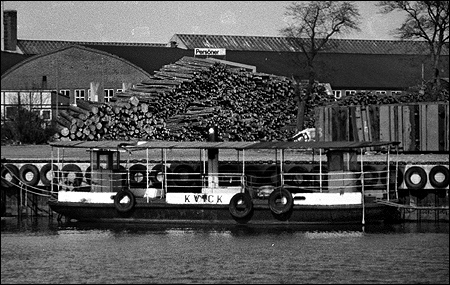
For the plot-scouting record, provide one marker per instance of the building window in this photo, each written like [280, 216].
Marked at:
[79, 94]
[119, 90]
[350, 92]
[65, 92]
[380, 92]
[25, 100]
[11, 111]
[109, 93]
[46, 114]
[396, 93]
[337, 94]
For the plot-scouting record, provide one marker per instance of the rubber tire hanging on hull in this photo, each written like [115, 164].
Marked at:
[225, 180]
[272, 175]
[87, 175]
[392, 178]
[183, 175]
[432, 176]
[371, 176]
[297, 174]
[137, 171]
[124, 208]
[75, 169]
[158, 171]
[280, 208]
[241, 206]
[45, 170]
[315, 177]
[415, 170]
[26, 169]
[13, 171]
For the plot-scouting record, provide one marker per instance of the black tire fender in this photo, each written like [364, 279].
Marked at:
[183, 175]
[392, 178]
[276, 198]
[241, 205]
[44, 172]
[75, 169]
[25, 170]
[157, 173]
[87, 175]
[315, 177]
[298, 174]
[272, 175]
[227, 180]
[13, 172]
[124, 207]
[371, 175]
[439, 169]
[415, 170]
[135, 171]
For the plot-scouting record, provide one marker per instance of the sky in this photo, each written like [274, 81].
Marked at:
[158, 21]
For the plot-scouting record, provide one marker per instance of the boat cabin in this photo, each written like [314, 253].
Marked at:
[107, 175]
[343, 170]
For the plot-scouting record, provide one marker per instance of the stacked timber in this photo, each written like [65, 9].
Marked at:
[182, 99]
[118, 120]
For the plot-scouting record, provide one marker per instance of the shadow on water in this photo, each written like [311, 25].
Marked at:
[46, 225]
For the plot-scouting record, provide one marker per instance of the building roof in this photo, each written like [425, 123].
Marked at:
[138, 145]
[9, 59]
[84, 48]
[284, 44]
[246, 43]
[31, 47]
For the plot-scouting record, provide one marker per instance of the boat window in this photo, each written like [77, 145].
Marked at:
[342, 160]
[107, 160]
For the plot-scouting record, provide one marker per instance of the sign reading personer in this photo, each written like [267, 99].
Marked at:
[209, 51]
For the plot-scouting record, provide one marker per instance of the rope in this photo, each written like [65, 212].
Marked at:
[29, 186]
[392, 204]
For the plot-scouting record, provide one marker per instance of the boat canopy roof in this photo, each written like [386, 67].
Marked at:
[140, 145]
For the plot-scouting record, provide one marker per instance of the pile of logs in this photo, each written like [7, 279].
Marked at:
[365, 99]
[119, 120]
[182, 99]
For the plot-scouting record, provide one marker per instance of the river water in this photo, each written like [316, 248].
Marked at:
[41, 250]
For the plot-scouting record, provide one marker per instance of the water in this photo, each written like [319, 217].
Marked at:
[45, 251]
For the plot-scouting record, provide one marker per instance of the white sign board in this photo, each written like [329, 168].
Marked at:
[197, 198]
[351, 198]
[209, 51]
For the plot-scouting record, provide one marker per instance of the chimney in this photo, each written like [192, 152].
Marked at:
[10, 33]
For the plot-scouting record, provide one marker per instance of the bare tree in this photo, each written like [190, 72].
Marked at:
[311, 26]
[427, 20]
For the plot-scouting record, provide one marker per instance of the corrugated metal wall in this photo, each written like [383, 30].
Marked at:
[417, 126]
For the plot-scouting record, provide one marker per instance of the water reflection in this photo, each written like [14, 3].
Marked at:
[40, 225]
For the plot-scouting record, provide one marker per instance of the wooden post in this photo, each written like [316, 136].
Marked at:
[213, 168]
[362, 188]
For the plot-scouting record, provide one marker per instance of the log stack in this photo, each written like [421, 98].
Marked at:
[182, 99]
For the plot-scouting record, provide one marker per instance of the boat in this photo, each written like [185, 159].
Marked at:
[152, 182]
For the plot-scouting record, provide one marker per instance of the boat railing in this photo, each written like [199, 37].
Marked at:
[374, 182]
[195, 179]
[95, 181]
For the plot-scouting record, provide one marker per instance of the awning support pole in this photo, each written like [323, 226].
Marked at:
[362, 188]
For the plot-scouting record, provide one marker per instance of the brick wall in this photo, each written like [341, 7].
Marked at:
[72, 68]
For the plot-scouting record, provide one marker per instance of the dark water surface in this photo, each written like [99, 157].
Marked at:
[39, 250]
